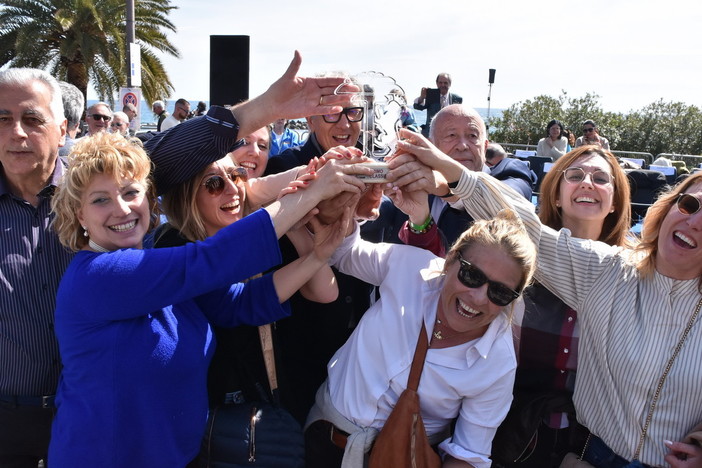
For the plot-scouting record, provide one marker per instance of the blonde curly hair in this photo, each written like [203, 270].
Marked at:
[103, 153]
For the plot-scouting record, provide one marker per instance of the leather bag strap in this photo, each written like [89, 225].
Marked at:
[265, 334]
[420, 354]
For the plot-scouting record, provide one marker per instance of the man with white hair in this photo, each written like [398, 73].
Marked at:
[459, 131]
[120, 124]
[435, 99]
[98, 118]
[159, 108]
[32, 129]
[73, 107]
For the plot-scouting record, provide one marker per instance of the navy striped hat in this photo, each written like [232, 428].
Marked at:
[183, 151]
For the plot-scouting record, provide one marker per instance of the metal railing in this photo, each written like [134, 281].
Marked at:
[691, 160]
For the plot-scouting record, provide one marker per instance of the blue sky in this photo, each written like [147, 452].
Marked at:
[630, 53]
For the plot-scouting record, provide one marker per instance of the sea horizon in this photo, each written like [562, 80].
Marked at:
[147, 116]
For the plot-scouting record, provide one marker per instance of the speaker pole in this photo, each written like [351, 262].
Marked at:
[491, 80]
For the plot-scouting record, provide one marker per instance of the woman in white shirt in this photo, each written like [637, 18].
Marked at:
[635, 307]
[464, 304]
[555, 143]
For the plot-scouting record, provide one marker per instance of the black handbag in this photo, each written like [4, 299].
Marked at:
[257, 433]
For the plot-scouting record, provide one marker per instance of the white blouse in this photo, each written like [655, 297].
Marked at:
[554, 152]
[472, 382]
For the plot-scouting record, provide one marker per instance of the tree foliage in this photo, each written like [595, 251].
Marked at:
[660, 127]
[83, 41]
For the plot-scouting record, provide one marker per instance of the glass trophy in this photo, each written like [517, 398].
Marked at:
[382, 100]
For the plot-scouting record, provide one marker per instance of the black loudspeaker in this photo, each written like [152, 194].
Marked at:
[491, 79]
[229, 69]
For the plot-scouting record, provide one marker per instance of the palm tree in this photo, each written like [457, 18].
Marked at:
[82, 41]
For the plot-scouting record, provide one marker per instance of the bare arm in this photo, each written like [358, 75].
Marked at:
[294, 275]
[322, 287]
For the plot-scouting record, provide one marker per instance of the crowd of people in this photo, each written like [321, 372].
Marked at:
[546, 335]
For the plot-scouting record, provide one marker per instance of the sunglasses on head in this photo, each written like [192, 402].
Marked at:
[473, 277]
[575, 175]
[215, 184]
[354, 114]
[98, 117]
[687, 204]
[588, 129]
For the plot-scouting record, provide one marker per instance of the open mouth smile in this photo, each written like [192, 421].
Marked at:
[232, 207]
[124, 227]
[683, 241]
[464, 310]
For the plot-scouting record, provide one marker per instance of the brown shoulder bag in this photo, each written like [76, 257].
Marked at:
[403, 441]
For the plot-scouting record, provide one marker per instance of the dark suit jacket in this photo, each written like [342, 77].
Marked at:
[311, 335]
[513, 172]
[433, 105]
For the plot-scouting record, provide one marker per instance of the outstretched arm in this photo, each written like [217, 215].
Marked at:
[335, 177]
[291, 97]
[321, 287]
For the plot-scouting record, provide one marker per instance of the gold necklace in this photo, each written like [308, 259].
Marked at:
[438, 334]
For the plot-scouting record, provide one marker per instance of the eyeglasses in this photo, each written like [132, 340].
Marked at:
[215, 184]
[473, 277]
[98, 117]
[687, 204]
[354, 114]
[116, 124]
[588, 129]
[575, 175]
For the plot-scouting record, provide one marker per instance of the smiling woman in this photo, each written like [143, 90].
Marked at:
[134, 326]
[638, 308]
[253, 154]
[463, 303]
[586, 192]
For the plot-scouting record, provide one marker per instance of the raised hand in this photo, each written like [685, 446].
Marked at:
[412, 175]
[425, 151]
[291, 97]
[414, 204]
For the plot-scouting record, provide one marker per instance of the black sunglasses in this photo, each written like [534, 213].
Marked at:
[473, 277]
[354, 114]
[98, 117]
[588, 130]
[215, 184]
[687, 204]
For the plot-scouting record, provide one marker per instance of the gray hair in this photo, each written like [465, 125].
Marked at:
[91, 108]
[73, 104]
[158, 104]
[24, 76]
[457, 109]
